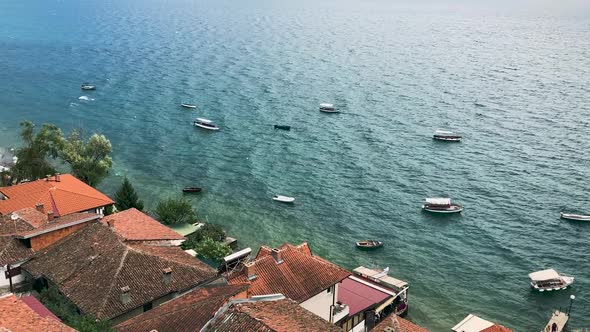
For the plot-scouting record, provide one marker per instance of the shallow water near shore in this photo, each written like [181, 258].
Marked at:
[515, 84]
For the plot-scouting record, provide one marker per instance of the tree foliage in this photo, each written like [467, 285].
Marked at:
[90, 161]
[212, 249]
[175, 211]
[33, 163]
[126, 197]
[211, 231]
[63, 308]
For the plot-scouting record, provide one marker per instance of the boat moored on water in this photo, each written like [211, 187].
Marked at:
[283, 199]
[549, 280]
[369, 244]
[282, 127]
[191, 190]
[205, 124]
[328, 108]
[578, 217]
[447, 136]
[441, 205]
[88, 86]
[186, 105]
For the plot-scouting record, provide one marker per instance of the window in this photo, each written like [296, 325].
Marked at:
[147, 307]
[329, 290]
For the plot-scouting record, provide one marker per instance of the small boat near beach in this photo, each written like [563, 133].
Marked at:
[185, 105]
[191, 190]
[205, 124]
[441, 205]
[369, 244]
[578, 217]
[447, 136]
[282, 127]
[283, 199]
[328, 108]
[549, 280]
[88, 86]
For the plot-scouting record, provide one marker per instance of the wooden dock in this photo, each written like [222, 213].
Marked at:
[557, 322]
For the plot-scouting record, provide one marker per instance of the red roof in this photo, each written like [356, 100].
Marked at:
[359, 296]
[299, 275]
[68, 195]
[402, 325]
[497, 328]
[17, 316]
[134, 225]
[38, 307]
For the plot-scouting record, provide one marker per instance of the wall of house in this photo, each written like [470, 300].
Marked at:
[321, 303]
[43, 240]
[4, 282]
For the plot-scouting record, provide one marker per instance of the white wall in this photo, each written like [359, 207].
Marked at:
[15, 280]
[321, 303]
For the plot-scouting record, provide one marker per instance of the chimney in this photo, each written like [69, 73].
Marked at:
[277, 255]
[50, 216]
[57, 177]
[47, 177]
[111, 223]
[125, 296]
[249, 268]
[39, 207]
[167, 275]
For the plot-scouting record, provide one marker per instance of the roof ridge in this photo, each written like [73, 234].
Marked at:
[53, 205]
[138, 250]
[77, 193]
[114, 280]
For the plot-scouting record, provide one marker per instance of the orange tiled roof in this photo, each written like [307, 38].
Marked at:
[402, 325]
[134, 225]
[68, 195]
[299, 276]
[497, 328]
[16, 316]
[30, 222]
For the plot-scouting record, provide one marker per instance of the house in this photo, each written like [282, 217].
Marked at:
[297, 274]
[27, 230]
[59, 194]
[273, 313]
[472, 323]
[114, 280]
[189, 312]
[394, 323]
[371, 296]
[27, 314]
[137, 227]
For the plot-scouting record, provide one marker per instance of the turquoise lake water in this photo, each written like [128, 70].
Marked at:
[515, 81]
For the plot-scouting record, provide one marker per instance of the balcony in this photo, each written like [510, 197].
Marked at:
[340, 311]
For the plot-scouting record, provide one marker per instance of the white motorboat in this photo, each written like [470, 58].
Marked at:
[441, 205]
[205, 124]
[328, 108]
[188, 105]
[578, 217]
[447, 136]
[549, 280]
[284, 199]
[88, 86]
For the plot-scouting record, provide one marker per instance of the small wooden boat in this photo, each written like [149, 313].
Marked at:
[328, 108]
[549, 280]
[282, 127]
[578, 217]
[447, 136]
[185, 105]
[369, 244]
[441, 205]
[283, 199]
[191, 190]
[205, 124]
[88, 86]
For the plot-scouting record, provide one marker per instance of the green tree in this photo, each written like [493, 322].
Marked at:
[175, 211]
[212, 249]
[126, 197]
[33, 163]
[211, 231]
[90, 161]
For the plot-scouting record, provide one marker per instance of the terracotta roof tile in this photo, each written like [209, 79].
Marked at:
[497, 328]
[30, 222]
[91, 267]
[63, 197]
[13, 251]
[187, 313]
[134, 225]
[300, 276]
[398, 324]
[270, 316]
[16, 316]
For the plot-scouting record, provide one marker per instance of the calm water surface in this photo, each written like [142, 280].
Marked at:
[514, 82]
